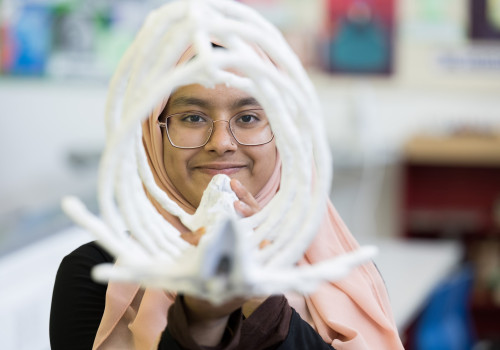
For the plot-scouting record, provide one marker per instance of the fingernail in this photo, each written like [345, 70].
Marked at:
[238, 184]
[243, 205]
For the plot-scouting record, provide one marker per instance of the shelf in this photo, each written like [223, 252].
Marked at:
[452, 190]
[466, 150]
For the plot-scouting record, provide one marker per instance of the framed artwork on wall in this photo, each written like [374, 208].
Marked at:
[357, 36]
[484, 19]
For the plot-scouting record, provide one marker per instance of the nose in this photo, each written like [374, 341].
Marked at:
[221, 140]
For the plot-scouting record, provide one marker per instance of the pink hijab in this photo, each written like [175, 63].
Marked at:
[353, 313]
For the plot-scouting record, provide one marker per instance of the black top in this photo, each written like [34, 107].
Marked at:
[77, 301]
[300, 337]
[78, 305]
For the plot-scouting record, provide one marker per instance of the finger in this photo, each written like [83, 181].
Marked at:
[242, 208]
[249, 204]
[193, 237]
[264, 243]
[243, 194]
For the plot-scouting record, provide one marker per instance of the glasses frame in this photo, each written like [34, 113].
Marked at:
[164, 125]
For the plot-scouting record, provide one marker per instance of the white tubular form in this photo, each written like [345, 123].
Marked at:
[149, 249]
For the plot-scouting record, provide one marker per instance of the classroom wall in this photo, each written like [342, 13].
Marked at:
[441, 79]
[43, 122]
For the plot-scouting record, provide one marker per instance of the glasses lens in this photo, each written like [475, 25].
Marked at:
[188, 130]
[251, 128]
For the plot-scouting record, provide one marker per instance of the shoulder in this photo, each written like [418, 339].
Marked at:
[75, 267]
[74, 289]
[77, 301]
[91, 252]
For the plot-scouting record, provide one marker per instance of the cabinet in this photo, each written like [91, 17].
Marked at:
[451, 190]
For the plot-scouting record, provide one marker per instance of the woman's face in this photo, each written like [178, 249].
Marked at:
[190, 170]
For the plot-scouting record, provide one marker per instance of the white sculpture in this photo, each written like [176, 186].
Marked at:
[228, 261]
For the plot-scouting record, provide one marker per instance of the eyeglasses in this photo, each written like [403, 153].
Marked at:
[194, 129]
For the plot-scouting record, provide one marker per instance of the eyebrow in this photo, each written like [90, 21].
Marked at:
[189, 101]
[184, 101]
[247, 101]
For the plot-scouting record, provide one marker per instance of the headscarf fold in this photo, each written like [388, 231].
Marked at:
[353, 313]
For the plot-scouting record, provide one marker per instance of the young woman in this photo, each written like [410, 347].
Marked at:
[235, 139]
[350, 314]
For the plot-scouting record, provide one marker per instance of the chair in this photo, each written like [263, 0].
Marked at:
[446, 322]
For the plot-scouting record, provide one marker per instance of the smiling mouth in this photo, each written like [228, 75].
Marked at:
[216, 169]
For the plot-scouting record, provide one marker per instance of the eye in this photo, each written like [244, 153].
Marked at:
[250, 119]
[193, 118]
[247, 118]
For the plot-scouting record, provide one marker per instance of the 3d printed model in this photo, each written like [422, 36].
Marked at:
[228, 261]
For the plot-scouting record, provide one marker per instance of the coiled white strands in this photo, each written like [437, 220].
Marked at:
[228, 261]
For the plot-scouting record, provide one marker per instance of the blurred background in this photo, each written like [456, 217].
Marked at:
[411, 95]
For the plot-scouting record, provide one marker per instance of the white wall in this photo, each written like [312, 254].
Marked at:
[381, 115]
[40, 122]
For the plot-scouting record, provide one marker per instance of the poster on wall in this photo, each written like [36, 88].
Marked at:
[25, 41]
[484, 20]
[298, 21]
[433, 23]
[358, 36]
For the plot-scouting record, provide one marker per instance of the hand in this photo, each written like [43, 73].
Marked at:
[202, 311]
[246, 205]
[207, 322]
